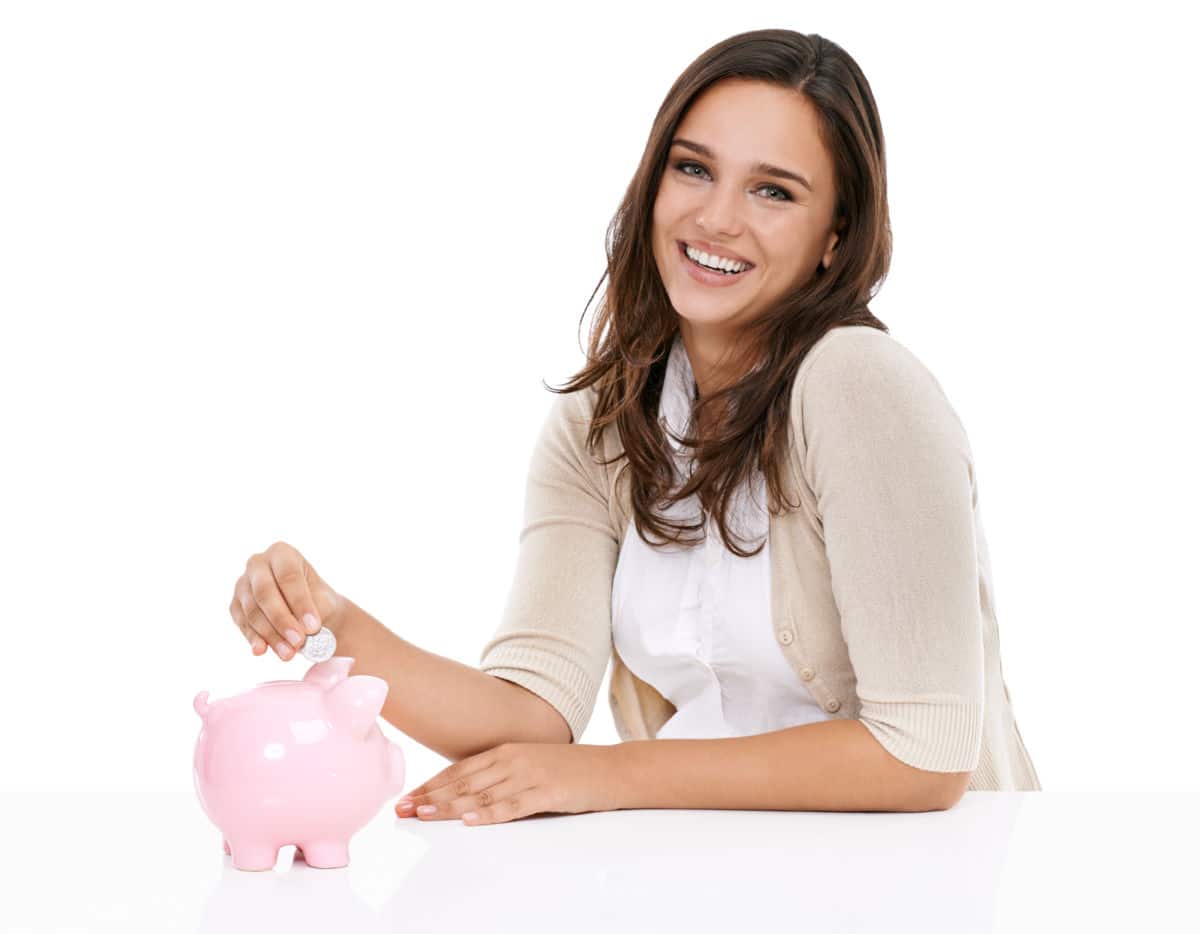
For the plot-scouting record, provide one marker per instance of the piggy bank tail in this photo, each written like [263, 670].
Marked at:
[201, 704]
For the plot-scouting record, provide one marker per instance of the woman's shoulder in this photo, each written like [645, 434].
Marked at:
[855, 346]
[567, 426]
[572, 411]
[850, 361]
[859, 382]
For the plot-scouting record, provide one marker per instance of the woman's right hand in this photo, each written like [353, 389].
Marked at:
[280, 600]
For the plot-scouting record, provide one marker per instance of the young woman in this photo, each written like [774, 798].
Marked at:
[827, 639]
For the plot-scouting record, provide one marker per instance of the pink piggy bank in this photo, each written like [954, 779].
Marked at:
[296, 762]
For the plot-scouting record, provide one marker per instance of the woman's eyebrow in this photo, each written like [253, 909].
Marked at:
[764, 168]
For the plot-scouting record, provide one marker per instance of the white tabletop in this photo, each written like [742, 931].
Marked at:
[997, 862]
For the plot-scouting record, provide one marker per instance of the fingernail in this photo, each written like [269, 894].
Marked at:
[405, 803]
[313, 624]
[284, 652]
[426, 809]
[470, 816]
[293, 637]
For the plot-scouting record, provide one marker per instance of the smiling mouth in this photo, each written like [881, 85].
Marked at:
[710, 269]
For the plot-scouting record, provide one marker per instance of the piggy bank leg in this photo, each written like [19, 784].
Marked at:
[254, 856]
[226, 844]
[326, 854]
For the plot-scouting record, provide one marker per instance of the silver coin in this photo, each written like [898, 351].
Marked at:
[319, 647]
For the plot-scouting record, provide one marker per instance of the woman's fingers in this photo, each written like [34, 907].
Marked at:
[278, 599]
[254, 626]
[271, 604]
[287, 568]
[465, 793]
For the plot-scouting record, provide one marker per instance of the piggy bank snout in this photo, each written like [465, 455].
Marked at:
[398, 772]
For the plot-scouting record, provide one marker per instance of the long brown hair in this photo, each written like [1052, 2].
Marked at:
[636, 324]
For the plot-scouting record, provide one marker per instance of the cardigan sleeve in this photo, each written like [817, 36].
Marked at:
[555, 631]
[891, 468]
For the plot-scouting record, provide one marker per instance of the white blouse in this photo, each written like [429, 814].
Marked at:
[695, 622]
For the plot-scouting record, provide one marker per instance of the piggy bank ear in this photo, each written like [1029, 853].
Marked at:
[329, 672]
[356, 702]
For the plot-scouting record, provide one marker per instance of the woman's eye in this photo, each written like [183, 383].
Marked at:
[682, 167]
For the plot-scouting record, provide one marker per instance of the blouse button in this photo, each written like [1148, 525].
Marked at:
[785, 636]
[806, 674]
[832, 705]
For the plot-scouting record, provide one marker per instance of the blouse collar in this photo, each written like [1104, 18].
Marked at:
[679, 388]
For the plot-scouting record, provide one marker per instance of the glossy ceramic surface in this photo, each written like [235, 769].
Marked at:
[299, 763]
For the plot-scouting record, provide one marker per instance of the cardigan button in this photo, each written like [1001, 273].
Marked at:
[785, 636]
[833, 704]
[806, 674]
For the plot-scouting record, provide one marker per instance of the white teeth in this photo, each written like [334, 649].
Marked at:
[715, 262]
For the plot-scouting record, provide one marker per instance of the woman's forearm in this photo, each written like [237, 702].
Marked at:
[451, 708]
[831, 765]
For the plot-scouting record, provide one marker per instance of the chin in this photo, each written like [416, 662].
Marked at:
[699, 317]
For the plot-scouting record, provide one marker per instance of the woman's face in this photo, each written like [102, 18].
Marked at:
[721, 196]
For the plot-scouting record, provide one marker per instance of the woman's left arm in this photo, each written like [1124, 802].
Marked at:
[891, 468]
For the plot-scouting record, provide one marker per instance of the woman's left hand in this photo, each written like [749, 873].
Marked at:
[515, 780]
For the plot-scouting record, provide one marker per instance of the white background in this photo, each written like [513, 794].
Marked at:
[296, 271]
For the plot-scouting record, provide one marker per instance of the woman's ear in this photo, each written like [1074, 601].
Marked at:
[827, 258]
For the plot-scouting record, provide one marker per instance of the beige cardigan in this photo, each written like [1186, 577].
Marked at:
[881, 592]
